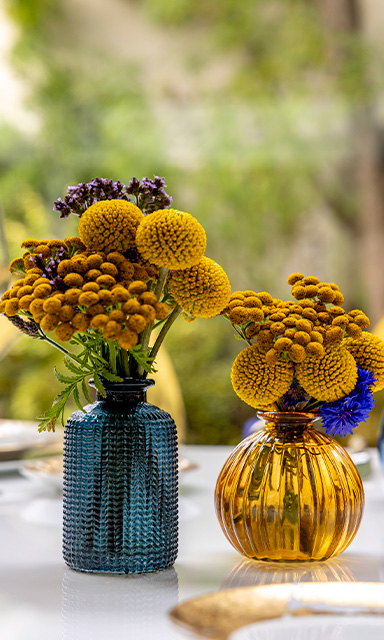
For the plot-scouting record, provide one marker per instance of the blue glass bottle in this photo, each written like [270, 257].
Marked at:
[120, 484]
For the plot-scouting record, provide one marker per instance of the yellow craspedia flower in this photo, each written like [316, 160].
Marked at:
[202, 290]
[329, 377]
[368, 351]
[257, 382]
[171, 238]
[110, 225]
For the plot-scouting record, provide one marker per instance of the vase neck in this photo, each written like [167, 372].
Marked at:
[129, 392]
[287, 420]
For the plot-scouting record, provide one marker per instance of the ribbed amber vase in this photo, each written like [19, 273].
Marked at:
[289, 492]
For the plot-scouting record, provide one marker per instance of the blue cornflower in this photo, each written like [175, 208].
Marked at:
[342, 416]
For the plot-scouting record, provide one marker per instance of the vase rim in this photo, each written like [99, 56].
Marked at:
[290, 418]
[127, 385]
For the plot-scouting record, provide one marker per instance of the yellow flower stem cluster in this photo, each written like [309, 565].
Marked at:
[314, 333]
[99, 293]
[294, 330]
[95, 288]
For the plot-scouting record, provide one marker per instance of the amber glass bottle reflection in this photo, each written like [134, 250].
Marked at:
[289, 492]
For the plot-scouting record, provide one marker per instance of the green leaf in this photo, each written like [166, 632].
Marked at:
[112, 377]
[64, 379]
[76, 397]
[73, 367]
[85, 391]
[99, 385]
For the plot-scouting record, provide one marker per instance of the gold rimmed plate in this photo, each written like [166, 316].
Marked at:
[218, 615]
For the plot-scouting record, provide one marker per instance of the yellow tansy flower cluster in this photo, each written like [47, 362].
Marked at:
[322, 342]
[98, 292]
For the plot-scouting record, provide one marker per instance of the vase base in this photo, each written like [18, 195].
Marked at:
[292, 560]
[127, 571]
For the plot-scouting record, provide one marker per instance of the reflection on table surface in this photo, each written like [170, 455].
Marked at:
[41, 598]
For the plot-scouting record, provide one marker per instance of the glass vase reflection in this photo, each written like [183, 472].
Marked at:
[127, 606]
[120, 484]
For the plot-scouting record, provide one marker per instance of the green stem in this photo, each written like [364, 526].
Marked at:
[146, 335]
[112, 357]
[125, 363]
[67, 353]
[163, 272]
[167, 325]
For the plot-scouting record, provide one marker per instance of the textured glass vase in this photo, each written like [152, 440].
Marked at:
[120, 484]
[289, 492]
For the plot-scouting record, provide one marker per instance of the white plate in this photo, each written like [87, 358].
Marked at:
[321, 627]
[47, 472]
[19, 439]
[10, 466]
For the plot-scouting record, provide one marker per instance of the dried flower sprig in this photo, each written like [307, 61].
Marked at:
[149, 195]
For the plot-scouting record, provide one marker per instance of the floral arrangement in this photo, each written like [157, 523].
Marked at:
[108, 296]
[306, 354]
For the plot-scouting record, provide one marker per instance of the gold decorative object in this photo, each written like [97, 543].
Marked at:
[219, 614]
[289, 492]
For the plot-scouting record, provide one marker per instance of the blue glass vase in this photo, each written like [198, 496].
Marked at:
[120, 484]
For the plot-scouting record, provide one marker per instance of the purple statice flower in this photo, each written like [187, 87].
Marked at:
[149, 195]
[29, 327]
[81, 196]
[295, 399]
[49, 267]
[295, 395]
[342, 416]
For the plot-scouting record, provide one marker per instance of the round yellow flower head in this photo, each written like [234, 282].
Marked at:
[330, 377]
[258, 383]
[368, 351]
[110, 225]
[202, 290]
[171, 238]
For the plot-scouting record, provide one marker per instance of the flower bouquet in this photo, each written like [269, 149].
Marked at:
[113, 292]
[306, 354]
[106, 299]
[290, 492]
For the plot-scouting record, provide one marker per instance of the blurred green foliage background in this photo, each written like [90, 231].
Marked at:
[264, 118]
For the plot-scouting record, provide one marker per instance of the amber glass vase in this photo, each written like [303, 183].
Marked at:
[289, 492]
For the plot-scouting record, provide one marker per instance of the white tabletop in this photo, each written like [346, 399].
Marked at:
[40, 599]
